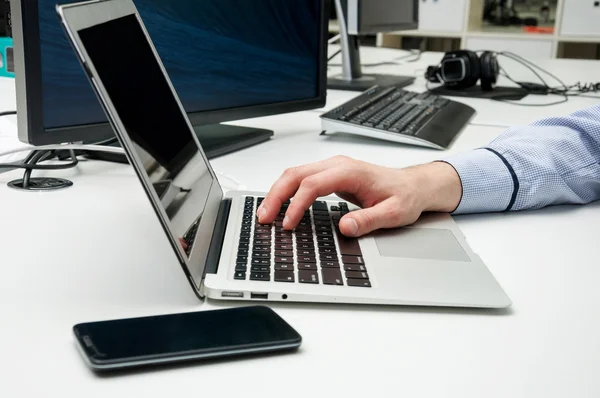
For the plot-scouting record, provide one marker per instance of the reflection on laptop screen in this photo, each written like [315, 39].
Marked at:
[153, 119]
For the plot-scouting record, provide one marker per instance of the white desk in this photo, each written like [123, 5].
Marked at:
[96, 251]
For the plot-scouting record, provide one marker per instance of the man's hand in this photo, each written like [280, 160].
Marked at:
[388, 197]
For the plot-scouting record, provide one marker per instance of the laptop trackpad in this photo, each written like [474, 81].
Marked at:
[421, 243]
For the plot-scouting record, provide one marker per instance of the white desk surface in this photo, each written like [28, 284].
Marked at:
[96, 251]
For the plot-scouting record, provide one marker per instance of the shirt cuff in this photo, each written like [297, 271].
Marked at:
[488, 182]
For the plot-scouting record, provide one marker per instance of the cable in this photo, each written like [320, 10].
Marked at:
[82, 147]
[6, 113]
[334, 39]
[333, 56]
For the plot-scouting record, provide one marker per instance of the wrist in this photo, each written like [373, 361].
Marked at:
[440, 186]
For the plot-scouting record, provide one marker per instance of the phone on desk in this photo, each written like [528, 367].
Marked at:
[153, 340]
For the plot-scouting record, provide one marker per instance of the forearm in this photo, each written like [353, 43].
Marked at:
[552, 161]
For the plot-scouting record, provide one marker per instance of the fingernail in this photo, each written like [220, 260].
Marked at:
[351, 225]
[286, 220]
[262, 212]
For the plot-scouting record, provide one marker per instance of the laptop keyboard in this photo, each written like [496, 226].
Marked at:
[314, 253]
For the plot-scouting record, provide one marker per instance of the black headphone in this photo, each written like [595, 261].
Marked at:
[463, 68]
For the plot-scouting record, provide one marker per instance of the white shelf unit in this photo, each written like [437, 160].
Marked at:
[576, 30]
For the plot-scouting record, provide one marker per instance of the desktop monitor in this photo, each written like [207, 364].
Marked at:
[363, 17]
[228, 60]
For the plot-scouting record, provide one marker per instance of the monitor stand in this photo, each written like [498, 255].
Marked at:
[216, 140]
[352, 77]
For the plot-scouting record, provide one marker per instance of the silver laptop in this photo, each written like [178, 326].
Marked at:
[222, 249]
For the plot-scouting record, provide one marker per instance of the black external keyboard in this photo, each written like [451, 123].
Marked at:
[394, 114]
[314, 252]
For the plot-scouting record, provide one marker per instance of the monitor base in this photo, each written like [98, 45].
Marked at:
[365, 82]
[216, 140]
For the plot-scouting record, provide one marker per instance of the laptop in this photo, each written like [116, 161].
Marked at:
[224, 252]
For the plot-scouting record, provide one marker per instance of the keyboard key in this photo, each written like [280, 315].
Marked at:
[309, 245]
[240, 267]
[244, 240]
[335, 208]
[325, 239]
[283, 240]
[261, 255]
[243, 245]
[328, 257]
[284, 267]
[261, 249]
[332, 276]
[352, 260]
[284, 253]
[261, 261]
[284, 276]
[245, 228]
[349, 246]
[307, 259]
[324, 245]
[260, 276]
[239, 275]
[323, 228]
[309, 266]
[327, 250]
[305, 276]
[330, 264]
[260, 268]
[356, 275]
[284, 260]
[358, 282]
[242, 252]
[262, 236]
[283, 246]
[323, 222]
[304, 240]
[319, 205]
[245, 234]
[304, 234]
[355, 267]
[305, 252]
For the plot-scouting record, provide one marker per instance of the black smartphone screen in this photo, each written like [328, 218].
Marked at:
[197, 334]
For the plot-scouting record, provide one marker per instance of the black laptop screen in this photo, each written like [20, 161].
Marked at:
[153, 119]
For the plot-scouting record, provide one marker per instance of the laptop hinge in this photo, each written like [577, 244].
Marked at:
[216, 243]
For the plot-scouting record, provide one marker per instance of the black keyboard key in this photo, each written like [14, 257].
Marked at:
[260, 268]
[352, 260]
[309, 245]
[284, 267]
[261, 261]
[284, 253]
[284, 240]
[303, 234]
[259, 242]
[355, 267]
[284, 260]
[262, 236]
[243, 245]
[246, 222]
[356, 275]
[325, 239]
[307, 259]
[319, 205]
[304, 252]
[328, 257]
[244, 240]
[283, 246]
[327, 250]
[240, 267]
[325, 245]
[242, 252]
[239, 275]
[261, 249]
[245, 234]
[242, 259]
[245, 228]
[335, 208]
[306, 276]
[260, 276]
[323, 222]
[323, 228]
[349, 246]
[284, 276]
[332, 276]
[330, 264]
[261, 255]
[309, 266]
[304, 240]
[358, 282]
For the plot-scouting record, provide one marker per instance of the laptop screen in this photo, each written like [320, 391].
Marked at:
[153, 119]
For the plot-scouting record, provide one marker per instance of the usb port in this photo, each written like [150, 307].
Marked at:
[263, 296]
[232, 294]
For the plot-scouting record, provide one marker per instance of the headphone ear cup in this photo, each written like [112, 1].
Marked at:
[432, 74]
[489, 70]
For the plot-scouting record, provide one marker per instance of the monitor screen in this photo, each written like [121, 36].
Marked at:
[220, 54]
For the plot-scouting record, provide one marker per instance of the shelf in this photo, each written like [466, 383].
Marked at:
[517, 34]
[422, 33]
[578, 39]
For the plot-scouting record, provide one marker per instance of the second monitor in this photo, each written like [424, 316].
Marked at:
[363, 17]
[229, 60]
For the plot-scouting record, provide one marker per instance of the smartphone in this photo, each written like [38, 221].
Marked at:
[161, 339]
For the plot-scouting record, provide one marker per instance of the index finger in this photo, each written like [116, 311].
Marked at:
[286, 186]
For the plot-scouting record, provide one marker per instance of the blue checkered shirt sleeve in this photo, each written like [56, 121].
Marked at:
[551, 161]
